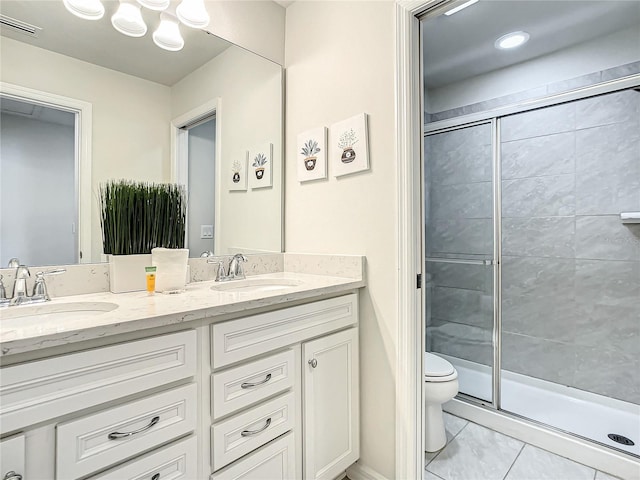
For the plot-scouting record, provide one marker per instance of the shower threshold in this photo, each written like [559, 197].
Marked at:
[569, 409]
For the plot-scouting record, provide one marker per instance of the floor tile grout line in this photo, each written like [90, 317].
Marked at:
[515, 460]
[446, 444]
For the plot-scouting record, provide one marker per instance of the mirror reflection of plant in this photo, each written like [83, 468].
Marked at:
[310, 148]
[139, 216]
[260, 160]
[348, 139]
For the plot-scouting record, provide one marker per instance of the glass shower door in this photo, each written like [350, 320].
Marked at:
[459, 247]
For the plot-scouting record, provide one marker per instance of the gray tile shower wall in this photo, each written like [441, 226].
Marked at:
[571, 269]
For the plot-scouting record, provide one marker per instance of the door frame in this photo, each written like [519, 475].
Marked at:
[83, 112]
[180, 155]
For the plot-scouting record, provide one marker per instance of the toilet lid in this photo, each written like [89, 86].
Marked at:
[435, 366]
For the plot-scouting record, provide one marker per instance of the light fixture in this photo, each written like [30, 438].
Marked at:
[512, 40]
[87, 9]
[128, 20]
[194, 14]
[155, 4]
[460, 7]
[167, 35]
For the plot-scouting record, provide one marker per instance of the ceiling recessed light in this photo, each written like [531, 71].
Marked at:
[460, 7]
[128, 20]
[167, 35]
[512, 40]
[87, 9]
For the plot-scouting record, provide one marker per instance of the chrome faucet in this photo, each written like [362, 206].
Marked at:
[19, 294]
[235, 266]
[235, 271]
[40, 294]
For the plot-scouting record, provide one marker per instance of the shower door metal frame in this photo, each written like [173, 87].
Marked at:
[493, 117]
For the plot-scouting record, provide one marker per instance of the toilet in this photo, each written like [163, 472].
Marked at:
[440, 386]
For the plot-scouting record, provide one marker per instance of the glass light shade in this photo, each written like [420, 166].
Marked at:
[128, 20]
[158, 5]
[167, 35]
[87, 9]
[193, 13]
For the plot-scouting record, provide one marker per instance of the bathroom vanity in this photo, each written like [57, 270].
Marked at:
[252, 380]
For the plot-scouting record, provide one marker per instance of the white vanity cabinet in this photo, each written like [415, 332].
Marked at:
[264, 367]
[12, 458]
[73, 413]
[331, 404]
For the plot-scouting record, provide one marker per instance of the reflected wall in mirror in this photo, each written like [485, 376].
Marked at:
[140, 104]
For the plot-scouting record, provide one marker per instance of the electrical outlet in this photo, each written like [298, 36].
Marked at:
[206, 231]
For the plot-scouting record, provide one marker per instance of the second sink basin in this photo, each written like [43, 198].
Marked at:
[256, 285]
[48, 311]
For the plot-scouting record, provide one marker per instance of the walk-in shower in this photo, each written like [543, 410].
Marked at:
[532, 275]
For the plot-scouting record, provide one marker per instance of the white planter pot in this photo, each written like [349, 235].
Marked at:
[126, 272]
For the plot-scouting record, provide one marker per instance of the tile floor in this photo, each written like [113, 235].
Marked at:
[474, 452]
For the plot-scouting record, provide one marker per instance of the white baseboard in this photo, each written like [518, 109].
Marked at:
[358, 471]
[579, 450]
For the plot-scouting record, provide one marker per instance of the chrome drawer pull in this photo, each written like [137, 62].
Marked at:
[156, 477]
[12, 476]
[251, 385]
[248, 433]
[115, 435]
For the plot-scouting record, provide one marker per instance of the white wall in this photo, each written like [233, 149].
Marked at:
[250, 114]
[131, 116]
[257, 25]
[339, 62]
[201, 202]
[600, 54]
[37, 164]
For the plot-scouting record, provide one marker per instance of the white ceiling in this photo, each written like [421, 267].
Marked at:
[10, 106]
[99, 43]
[461, 46]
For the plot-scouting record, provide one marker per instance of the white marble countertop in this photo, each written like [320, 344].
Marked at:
[139, 310]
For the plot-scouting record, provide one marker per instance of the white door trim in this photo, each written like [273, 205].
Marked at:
[180, 158]
[411, 332]
[82, 151]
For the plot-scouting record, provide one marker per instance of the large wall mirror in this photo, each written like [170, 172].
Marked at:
[83, 104]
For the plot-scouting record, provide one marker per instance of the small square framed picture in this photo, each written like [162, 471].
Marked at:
[237, 173]
[350, 146]
[311, 158]
[260, 166]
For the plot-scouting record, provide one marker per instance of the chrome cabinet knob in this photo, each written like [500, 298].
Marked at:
[313, 362]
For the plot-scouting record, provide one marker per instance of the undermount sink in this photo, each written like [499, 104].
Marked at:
[256, 285]
[48, 311]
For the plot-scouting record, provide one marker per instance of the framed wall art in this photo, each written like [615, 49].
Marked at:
[311, 159]
[237, 173]
[260, 166]
[349, 146]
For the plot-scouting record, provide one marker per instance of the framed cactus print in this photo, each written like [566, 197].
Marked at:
[349, 146]
[311, 158]
[237, 172]
[260, 168]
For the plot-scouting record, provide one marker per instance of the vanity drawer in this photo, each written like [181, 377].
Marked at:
[178, 461]
[249, 383]
[94, 442]
[244, 338]
[275, 461]
[237, 436]
[37, 391]
[12, 456]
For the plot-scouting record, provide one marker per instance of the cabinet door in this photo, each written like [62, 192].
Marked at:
[331, 404]
[12, 457]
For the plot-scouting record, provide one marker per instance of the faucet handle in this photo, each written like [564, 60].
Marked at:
[3, 291]
[40, 287]
[220, 275]
[13, 263]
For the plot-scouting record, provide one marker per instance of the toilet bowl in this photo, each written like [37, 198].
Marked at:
[440, 386]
